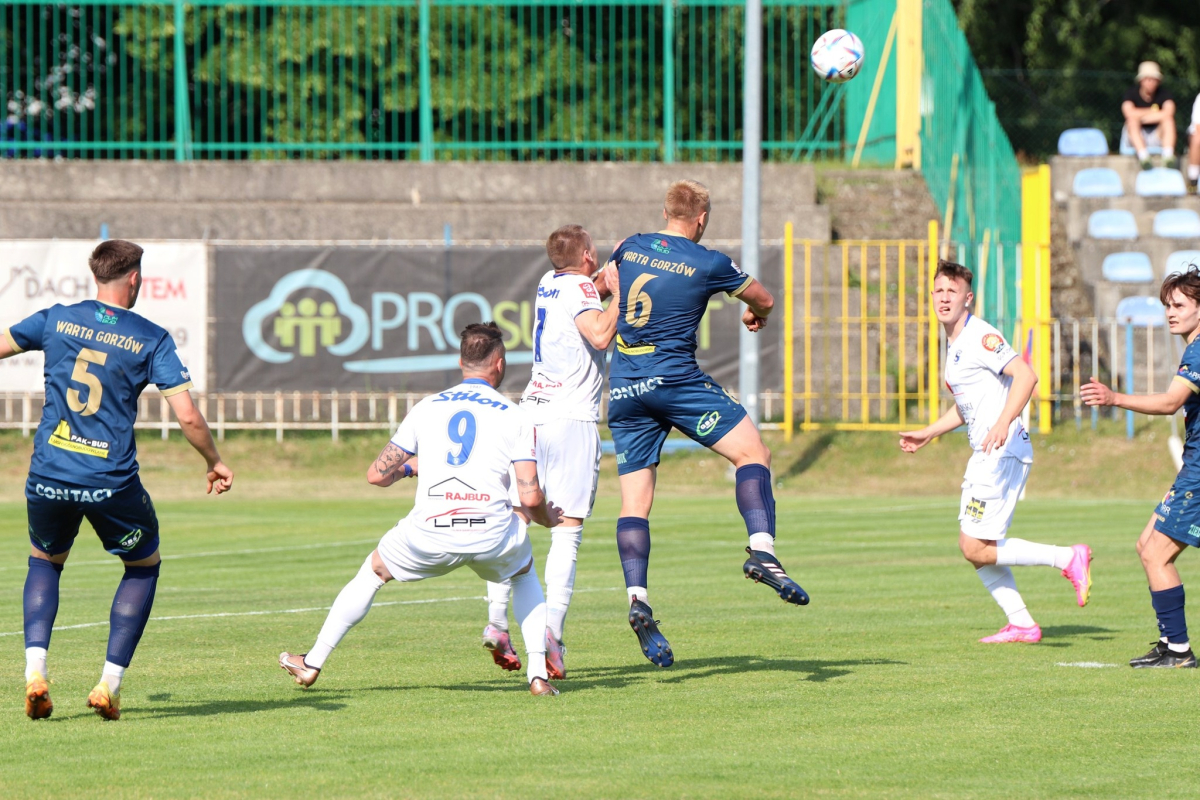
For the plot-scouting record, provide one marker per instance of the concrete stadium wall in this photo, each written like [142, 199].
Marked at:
[364, 201]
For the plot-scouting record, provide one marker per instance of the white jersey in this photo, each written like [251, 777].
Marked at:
[467, 437]
[975, 363]
[568, 373]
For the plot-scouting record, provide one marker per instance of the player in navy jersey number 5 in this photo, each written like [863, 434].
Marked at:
[666, 280]
[99, 356]
[1175, 523]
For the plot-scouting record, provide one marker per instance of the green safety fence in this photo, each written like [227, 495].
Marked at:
[410, 79]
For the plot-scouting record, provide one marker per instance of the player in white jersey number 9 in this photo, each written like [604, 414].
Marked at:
[470, 435]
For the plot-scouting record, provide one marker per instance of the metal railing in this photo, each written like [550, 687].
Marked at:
[332, 412]
[408, 79]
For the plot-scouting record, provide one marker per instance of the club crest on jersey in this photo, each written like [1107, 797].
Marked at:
[992, 342]
[660, 246]
[707, 423]
[106, 316]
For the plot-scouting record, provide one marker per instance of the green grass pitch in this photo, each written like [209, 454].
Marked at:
[878, 688]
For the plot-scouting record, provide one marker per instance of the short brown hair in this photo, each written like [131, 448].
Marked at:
[480, 341]
[114, 259]
[566, 245]
[1187, 283]
[687, 200]
[956, 271]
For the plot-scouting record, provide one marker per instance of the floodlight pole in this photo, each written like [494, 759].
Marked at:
[751, 194]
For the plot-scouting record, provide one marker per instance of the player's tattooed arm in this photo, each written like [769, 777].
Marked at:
[391, 465]
[532, 498]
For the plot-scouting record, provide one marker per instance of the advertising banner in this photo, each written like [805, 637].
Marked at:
[37, 274]
[388, 317]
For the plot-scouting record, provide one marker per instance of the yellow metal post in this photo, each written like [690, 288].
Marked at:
[808, 365]
[879, 70]
[934, 347]
[910, 63]
[789, 333]
[1035, 280]
[902, 323]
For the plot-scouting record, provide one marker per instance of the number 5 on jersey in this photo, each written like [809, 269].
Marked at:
[461, 430]
[81, 375]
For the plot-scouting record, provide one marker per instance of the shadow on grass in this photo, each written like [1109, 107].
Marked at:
[811, 455]
[691, 669]
[315, 700]
[1075, 632]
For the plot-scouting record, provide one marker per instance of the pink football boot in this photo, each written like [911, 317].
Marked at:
[1011, 633]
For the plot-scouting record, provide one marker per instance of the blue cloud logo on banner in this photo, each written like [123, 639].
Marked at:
[307, 322]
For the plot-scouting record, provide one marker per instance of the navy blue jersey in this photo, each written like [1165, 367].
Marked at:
[666, 282]
[1189, 373]
[98, 360]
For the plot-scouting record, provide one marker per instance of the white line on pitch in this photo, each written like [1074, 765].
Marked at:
[1085, 664]
[288, 611]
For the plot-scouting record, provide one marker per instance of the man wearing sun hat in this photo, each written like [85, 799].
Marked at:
[1149, 111]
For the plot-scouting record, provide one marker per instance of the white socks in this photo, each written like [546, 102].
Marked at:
[35, 661]
[1003, 588]
[498, 594]
[763, 542]
[1020, 553]
[560, 582]
[560, 575]
[1193, 172]
[529, 605]
[351, 605]
[112, 675]
[638, 593]
[1143, 155]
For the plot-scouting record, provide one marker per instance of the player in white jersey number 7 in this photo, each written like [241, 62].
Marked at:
[562, 401]
[991, 385]
[469, 436]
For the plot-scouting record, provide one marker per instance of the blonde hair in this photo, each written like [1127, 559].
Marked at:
[686, 200]
[566, 246]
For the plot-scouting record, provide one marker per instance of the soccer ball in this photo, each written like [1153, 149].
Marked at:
[837, 56]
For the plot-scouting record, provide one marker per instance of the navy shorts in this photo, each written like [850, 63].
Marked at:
[124, 519]
[642, 411]
[1178, 515]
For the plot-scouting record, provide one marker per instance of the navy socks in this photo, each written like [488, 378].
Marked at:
[633, 544]
[1168, 605]
[130, 611]
[755, 499]
[41, 601]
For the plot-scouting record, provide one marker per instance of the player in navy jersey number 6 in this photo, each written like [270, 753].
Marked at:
[99, 356]
[666, 280]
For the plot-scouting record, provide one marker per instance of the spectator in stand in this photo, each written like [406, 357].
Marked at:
[1149, 111]
[1193, 167]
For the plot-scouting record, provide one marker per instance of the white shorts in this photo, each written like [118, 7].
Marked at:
[568, 462]
[990, 491]
[409, 555]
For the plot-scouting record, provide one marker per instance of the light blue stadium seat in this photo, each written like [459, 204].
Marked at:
[1127, 267]
[1112, 223]
[1082, 142]
[1160, 182]
[1180, 260]
[1177, 223]
[1142, 311]
[1097, 182]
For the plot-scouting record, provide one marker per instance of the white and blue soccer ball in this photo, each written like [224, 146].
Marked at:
[837, 56]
